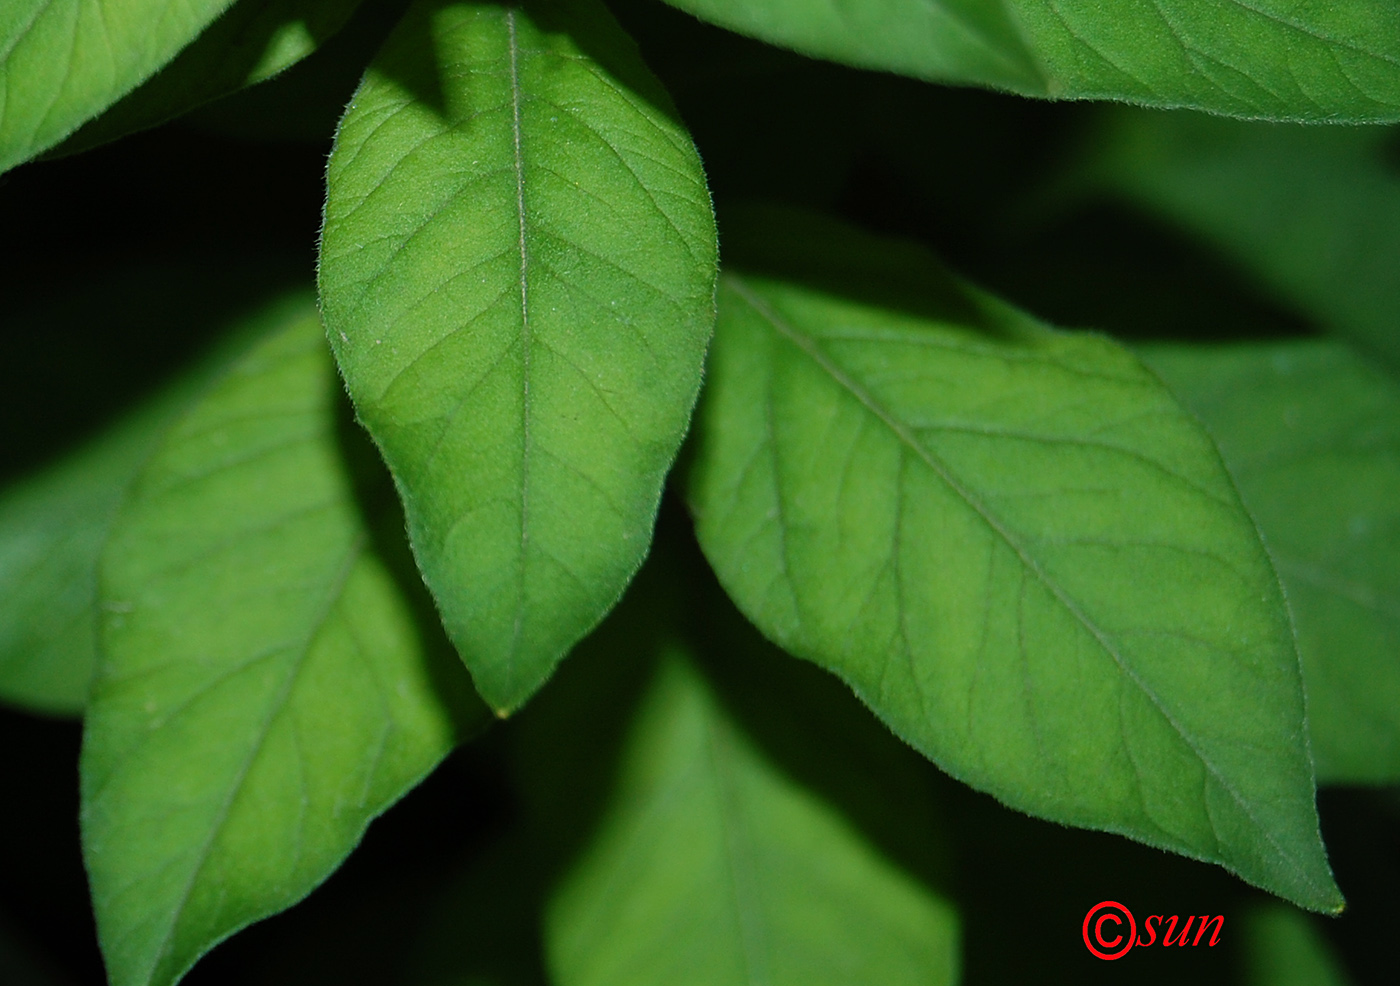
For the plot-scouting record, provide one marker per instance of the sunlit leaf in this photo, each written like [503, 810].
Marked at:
[517, 275]
[64, 61]
[254, 41]
[1276, 59]
[263, 691]
[1313, 214]
[1013, 544]
[1311, 434]
[712, 866]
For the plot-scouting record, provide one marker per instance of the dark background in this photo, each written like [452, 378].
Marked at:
[122, 264]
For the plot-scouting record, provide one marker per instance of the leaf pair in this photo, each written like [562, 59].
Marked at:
[1013, 543]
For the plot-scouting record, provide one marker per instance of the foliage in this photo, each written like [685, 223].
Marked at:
[599, 458]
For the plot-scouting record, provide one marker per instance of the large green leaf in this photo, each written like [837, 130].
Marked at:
[713, 867]
[1275, 59]
[1313, 214]
[1013, 544]
[1312, 436]
[64, 61]
[517, 274]
[263, 690]
[254, 41]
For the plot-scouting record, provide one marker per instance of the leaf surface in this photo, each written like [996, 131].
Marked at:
[517, 273]
[1017, 548]
[1311, 434]
[263, 691]
[64, 61]
[1313, 214]
[1275, 59]
[714, 867]
[252, 42]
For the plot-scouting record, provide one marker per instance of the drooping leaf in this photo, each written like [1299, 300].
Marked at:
[1017, 548]
[1274, 59]
[1313, 214]
[263, 690]
[1283, 947]
[254, 41]
[63, 61]
[517, 275]
[714, 867]
[1311, 434]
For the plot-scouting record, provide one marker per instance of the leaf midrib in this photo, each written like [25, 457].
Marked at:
[516, 133]
[808, 346]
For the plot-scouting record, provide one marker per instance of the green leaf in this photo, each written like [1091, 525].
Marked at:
[1283, 947]
[254, 41]
[1275, 59]
[517, 274]
[1311, 434]
[52, 528]
[1313, 214]
[263, 691]
[1017, 548]
[54, 525]
[64, 61]
[714, 867]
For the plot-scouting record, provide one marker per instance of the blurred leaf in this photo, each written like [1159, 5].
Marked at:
[52, 528]
[1311, 434]
[1021, 553]
[254, 41]
[1266, 58]
[713, 867]
[64, 61]
[1283, 947]
[1313, 213]
[517, 273]
[263, 691]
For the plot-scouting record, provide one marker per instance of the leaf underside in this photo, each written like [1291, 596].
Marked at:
[262, 692]
[63, 61]
[1016, 547]
[1270, 59]
[1311, 434]
[714, 867]
[517, 274]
